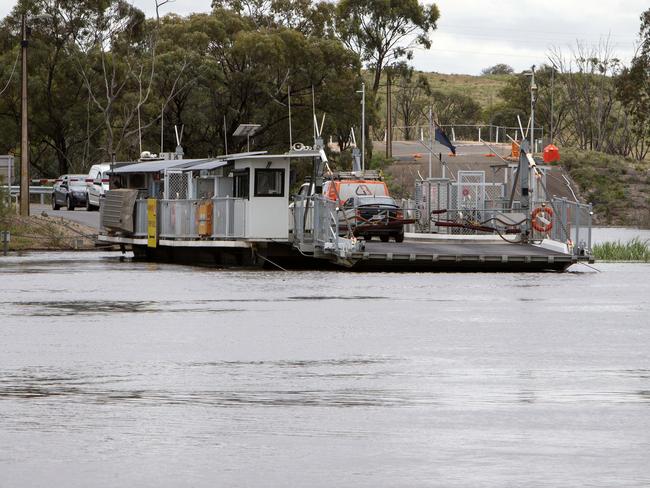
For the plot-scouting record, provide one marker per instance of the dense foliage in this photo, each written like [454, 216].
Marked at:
[105, 81]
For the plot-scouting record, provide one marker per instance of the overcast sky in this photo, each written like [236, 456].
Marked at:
[474, 34]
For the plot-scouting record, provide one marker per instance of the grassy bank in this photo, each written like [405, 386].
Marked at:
[635, 250]
[43, 232]
[619, 188]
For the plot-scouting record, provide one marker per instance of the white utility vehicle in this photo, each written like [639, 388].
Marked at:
[97, 181]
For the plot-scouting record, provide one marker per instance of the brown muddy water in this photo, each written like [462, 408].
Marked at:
[133, 374]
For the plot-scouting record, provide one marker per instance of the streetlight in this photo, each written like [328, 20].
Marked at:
[533, 101]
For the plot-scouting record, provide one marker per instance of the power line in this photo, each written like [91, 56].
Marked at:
[13, 70]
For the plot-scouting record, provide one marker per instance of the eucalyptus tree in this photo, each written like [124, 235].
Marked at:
[385, 32]
[57, 98]
[633, 91]
[411, 101]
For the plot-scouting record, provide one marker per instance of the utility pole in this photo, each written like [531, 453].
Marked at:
[389, 118]
[363, 126]
[24, 139]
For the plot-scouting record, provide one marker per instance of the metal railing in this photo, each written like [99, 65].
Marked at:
[141, 219]
[229, 217]
[467, 133]
[572, 225]
[320, 226]
[41, 191]
[177, 219]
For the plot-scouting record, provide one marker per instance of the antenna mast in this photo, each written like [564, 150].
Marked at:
[290, 131]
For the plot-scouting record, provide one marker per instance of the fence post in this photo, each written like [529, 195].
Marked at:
[5, 242]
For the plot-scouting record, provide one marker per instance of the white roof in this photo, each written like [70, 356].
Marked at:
[215, 163]
[156, 166]
[207, 163]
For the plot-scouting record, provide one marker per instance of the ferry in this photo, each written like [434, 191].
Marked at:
[238, 210]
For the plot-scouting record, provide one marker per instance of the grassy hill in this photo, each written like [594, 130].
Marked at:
[483, 89]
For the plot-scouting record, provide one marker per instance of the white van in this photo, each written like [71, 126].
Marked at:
[97, 182]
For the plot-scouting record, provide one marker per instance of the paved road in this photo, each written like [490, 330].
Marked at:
[410, 151]
[81, 215]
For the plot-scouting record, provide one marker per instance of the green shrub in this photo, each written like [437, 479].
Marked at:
[634, 250]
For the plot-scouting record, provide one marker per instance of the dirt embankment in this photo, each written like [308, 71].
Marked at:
[42, 232]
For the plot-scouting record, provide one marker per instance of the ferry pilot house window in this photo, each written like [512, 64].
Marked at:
[240, 184]
[269, 182]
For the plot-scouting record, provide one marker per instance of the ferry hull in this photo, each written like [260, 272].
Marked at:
[377, 257]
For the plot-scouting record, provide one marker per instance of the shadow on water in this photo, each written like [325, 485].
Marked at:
[332, 388]
[47, 387]
[105, 307]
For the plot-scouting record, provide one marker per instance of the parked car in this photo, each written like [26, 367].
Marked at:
[97, 181]
[69, 191]
[372, 216]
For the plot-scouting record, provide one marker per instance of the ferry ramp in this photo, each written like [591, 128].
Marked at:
[416, 255]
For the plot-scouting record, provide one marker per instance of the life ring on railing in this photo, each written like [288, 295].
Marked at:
[545, 214]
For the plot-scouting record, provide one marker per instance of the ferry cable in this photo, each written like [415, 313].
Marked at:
[268, 260]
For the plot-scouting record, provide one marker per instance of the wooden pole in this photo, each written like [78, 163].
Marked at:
[24, 138]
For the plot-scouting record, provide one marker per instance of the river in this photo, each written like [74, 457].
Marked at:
[616, 234]
[120, 373]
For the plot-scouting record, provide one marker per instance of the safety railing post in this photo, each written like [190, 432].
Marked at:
[589, 214]
[577, 243]
[336, 217]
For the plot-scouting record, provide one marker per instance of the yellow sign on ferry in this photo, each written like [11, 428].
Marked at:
[152, 219]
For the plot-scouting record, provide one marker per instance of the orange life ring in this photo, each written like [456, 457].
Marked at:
[549, 217]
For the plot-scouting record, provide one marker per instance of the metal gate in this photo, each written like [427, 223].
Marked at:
[176, 185]
[470, 190]
[430, 195]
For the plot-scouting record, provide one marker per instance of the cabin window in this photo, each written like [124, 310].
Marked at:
[240, 184]
[269, 182]
[136, 181]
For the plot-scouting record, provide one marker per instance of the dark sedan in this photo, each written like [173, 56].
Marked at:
[70, 191]
[372, 216]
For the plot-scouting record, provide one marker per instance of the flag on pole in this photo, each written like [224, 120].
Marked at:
[442, 138]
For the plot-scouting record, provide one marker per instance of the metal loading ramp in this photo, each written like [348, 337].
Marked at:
[429, 256]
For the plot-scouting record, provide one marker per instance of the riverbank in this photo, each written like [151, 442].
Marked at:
[46, 233]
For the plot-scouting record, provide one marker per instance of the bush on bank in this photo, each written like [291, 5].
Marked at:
[634, 250]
